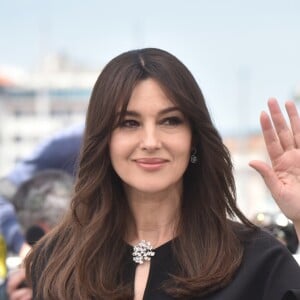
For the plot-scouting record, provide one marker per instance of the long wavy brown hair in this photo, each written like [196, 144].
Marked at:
[82, 257]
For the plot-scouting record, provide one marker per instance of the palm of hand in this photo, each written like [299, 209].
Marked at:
[283, 146]
[286, 189]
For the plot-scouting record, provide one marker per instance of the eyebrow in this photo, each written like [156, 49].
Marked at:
[162, 112]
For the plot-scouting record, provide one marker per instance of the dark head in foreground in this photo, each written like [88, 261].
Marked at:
[87, 248]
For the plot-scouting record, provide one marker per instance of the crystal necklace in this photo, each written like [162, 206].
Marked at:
[142, 252]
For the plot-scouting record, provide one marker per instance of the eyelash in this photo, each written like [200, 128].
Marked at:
[129, 123]
[169, 121]
[172, 121]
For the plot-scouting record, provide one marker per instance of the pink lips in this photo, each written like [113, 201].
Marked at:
[150, 164]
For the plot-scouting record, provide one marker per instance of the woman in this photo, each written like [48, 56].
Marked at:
[155, 174]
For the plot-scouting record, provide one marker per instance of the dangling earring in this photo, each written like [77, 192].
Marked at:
[194, 157]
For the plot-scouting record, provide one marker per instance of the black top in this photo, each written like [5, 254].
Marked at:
[267, 272]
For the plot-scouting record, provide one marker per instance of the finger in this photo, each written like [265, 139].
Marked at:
[294, 120]
[284, 133]
[273, 145]
[21, 294]
[14, 280]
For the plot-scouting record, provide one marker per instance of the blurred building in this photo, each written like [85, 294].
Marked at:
[35, 105]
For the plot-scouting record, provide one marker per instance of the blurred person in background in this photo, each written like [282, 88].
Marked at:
[60, 152]
[40, 203]
[279, 226]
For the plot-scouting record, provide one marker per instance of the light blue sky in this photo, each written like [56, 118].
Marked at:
[241, 52]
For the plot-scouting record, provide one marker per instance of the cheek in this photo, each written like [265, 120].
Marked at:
[185, 155]
[119, 147]
[183, 144]
[113, 148]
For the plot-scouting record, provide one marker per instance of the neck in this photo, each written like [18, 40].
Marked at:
[155, 217]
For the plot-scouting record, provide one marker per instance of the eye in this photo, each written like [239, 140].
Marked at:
[172, 121]
[129, 123]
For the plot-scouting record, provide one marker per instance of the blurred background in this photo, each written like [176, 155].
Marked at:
[240, 52]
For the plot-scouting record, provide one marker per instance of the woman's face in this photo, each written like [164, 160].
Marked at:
[150, 149]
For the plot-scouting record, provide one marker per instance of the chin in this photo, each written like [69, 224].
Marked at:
[152, 188]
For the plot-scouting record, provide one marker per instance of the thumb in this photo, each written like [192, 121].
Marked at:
[268, 176]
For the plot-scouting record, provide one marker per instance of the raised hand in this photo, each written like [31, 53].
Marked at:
[283, 146]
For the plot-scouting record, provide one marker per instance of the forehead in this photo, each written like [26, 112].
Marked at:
[148, 92]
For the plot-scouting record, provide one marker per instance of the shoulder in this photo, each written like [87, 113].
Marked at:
[258, 243]
[257, 239]
[267, 264]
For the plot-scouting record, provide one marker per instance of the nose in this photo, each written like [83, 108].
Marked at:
[150, 138]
